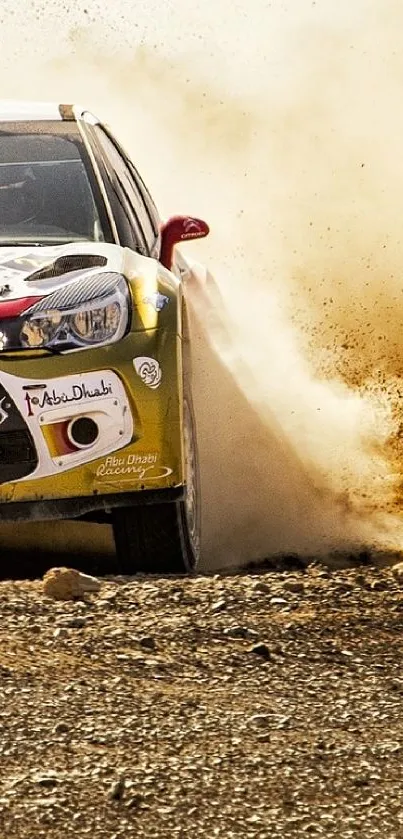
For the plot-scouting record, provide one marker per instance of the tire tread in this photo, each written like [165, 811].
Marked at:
[148, 539]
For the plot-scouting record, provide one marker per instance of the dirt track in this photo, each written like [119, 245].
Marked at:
[152, 711]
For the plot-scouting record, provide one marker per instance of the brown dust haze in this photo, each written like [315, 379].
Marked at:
[286, 135]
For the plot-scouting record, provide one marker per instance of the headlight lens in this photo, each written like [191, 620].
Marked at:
[99, 321]
[97, 324]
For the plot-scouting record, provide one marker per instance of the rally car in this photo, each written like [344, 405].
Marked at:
[96, 418]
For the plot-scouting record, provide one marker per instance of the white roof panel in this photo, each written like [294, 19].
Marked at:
[12, 110]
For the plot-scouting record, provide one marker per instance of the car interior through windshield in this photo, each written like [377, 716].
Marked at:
[45, 192]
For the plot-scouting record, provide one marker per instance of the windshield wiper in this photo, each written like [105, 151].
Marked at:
[20, 244]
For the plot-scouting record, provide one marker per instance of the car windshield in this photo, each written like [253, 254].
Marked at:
[45, 192]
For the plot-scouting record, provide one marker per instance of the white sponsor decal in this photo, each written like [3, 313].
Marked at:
[149, 371]
[99, 395]
[133, 467]
[50, 398]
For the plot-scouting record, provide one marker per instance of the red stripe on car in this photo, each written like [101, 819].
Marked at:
[13, 308]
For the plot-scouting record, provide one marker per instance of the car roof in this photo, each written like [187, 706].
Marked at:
[14, 110]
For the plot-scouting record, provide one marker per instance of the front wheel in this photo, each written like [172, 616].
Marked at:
[163, 538]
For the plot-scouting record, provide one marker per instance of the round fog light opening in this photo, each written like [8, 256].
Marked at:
[83, 432]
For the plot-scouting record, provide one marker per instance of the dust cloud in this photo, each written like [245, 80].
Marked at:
[283, 129]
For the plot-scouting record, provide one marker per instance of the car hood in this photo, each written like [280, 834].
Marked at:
[38, 271]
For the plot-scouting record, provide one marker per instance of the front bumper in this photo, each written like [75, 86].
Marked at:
[136, 413]
[95, 508]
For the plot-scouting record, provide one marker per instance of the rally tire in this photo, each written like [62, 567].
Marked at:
[163, 538]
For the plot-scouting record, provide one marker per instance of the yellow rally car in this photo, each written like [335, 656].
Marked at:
[96, 416]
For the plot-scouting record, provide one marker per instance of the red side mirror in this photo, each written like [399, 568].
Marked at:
[180, 229]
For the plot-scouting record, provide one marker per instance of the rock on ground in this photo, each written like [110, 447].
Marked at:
[68, 584]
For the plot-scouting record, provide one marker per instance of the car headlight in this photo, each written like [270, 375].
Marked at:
[66, 320]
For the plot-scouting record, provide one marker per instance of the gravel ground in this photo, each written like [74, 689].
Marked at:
[252, 705]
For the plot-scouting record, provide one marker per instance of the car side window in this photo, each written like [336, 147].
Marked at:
[152, 219]
[149, 215]
[132, 220]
